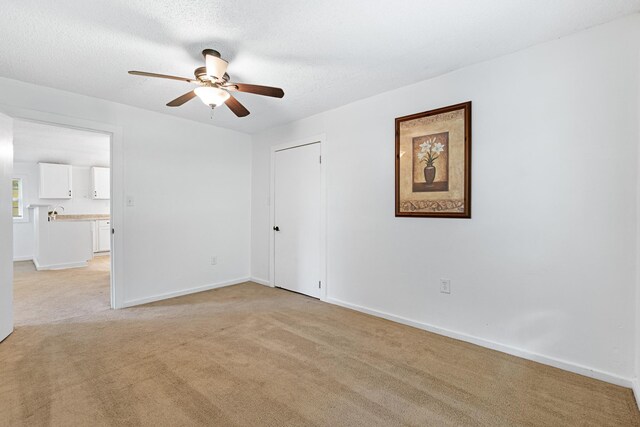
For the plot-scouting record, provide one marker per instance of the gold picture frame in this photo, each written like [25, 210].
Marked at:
[433, 163]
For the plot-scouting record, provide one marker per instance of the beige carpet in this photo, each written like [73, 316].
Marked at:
[47, 296]
[250, 355]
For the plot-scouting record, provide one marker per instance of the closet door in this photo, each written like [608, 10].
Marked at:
[297, 219]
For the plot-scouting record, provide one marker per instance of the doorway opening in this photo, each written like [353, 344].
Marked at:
[62, 233]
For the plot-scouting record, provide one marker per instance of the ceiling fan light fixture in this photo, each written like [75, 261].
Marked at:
[212, 96]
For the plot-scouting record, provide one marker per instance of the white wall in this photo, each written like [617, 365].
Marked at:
[191, 187]
[81, 203]
[546, 266]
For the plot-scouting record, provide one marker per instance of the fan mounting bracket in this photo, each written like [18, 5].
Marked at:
[211, 52]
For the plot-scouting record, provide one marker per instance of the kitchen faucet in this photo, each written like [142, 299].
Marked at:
[54, 211]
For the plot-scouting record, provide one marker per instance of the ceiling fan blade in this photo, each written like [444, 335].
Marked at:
[182, 99]
[275, 92]
[235, 106]
[161, 76]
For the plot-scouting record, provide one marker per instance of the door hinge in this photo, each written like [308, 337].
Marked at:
[320, 159]
[319, 282]
[113, 231]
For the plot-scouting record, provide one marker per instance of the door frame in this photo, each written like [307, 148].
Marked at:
[116, 204]
[317, 139]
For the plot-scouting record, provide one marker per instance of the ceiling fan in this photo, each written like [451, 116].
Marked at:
[214, 85]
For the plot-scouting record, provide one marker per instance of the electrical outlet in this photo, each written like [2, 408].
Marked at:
[214, 260]
[445, 286]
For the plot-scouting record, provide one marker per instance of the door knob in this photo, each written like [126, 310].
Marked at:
[276, 228]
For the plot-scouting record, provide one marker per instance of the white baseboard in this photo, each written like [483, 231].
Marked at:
[180, 293]
[40, 267]
[23, 258]
[525, 354]
[260, 281]
[636, 390]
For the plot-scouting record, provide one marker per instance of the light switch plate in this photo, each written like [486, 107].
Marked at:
[445, 286]
[130, 201]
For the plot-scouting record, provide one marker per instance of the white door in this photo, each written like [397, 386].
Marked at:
[297, 219]
[101, 183]
[6, 227]
[55, 181]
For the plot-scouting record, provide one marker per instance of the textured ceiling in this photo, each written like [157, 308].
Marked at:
[323, 54]
[36, 142]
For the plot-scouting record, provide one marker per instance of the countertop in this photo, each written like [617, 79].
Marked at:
[83, 217]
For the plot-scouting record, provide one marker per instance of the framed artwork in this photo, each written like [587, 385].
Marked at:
[433, 163]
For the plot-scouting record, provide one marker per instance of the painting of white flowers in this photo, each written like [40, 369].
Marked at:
[430, 162]
[433, 163]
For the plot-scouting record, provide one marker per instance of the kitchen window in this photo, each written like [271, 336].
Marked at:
[17, 199]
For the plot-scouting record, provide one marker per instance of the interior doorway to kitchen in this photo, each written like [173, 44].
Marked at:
[62, 232]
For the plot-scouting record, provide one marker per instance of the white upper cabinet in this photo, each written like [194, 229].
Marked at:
[55, 181]
[100, 183]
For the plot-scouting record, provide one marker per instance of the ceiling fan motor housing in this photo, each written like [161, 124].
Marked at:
[201, 74]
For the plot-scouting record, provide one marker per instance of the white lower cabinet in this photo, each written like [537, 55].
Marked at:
[94, 232]
[102, 236]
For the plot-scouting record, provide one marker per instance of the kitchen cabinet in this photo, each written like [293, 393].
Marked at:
[94, 234]
[103, 236]
[59, 244]
[55, 181]
[100, 183]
